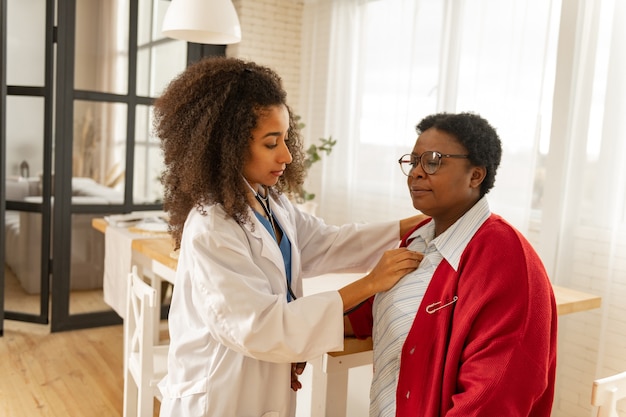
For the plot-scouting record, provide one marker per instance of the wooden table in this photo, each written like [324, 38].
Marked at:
[571, 301]
[329, 395]
[155, 253]
[99, 224]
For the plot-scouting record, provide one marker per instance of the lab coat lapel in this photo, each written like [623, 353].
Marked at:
[282, 216]
[269, 249]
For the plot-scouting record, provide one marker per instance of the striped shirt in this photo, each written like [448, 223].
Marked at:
[395, 310]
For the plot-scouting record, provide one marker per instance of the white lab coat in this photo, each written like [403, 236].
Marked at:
[233, 334]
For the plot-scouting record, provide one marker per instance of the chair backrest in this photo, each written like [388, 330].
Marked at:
[606, 392]
[141, 311]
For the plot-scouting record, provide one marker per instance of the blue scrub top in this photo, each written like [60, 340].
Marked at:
[285, 247]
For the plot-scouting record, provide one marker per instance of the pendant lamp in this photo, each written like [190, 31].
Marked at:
[212, 22]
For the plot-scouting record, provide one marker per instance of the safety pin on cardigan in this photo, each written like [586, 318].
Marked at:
[431, 308]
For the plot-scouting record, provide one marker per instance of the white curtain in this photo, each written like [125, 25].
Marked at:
[549, 75]
[376, 68]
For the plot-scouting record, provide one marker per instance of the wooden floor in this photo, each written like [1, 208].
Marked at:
[75, 373]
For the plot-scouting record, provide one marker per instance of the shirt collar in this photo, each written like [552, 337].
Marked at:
[453, 241]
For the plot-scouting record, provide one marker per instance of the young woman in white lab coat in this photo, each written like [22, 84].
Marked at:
[238, 321]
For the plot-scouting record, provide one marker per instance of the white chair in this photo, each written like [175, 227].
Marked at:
[145, 363]
[606, 392]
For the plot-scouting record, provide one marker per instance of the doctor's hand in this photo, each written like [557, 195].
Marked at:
[408, 224]
[393, 265]
[296, 369]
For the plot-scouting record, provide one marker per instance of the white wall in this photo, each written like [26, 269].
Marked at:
[25, 66]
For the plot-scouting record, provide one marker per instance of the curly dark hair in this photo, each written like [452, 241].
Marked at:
[204, 120]
[476, 135]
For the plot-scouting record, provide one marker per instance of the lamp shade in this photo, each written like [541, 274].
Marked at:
[212, 22]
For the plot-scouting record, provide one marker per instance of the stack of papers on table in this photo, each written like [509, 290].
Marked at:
[137, 217]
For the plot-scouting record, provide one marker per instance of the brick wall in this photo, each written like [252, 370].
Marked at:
[271, 36]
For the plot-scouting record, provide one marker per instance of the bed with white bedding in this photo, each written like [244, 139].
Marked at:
[23, 235]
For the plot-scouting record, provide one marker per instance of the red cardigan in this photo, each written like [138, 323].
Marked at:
[493, 351]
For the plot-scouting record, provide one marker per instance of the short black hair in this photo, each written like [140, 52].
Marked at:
[476, 135]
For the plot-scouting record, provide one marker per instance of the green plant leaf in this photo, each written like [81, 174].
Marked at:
[314, 154]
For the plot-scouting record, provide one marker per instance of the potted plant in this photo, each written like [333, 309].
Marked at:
[314, 153]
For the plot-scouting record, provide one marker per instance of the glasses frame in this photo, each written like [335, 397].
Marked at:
[412, 160]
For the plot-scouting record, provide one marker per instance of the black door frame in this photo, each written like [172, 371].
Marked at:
[46, 92]
[59, 96]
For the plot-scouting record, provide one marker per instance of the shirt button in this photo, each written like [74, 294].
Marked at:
[412, 350]
[408, 393]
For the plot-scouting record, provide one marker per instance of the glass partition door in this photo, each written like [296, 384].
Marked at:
[114, 62]
[27, 64]
[80, 79]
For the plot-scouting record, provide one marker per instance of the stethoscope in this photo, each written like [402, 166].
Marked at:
[264, 201]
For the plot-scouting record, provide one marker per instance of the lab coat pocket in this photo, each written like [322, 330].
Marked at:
[271, 414]
[188, 398]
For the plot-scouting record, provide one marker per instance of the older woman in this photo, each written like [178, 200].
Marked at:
[472, 331]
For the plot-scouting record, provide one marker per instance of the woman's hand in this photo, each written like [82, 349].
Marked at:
[296, 370]
[393, 265]
[408, 224]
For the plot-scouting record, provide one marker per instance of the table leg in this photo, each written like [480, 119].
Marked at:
[329, 382]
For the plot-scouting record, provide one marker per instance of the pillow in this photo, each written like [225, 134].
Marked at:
[17, 189]
[87, 187]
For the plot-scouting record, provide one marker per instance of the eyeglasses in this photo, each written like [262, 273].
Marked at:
[429, 160]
